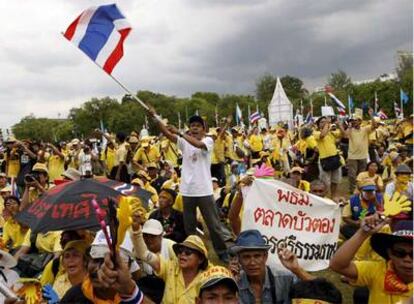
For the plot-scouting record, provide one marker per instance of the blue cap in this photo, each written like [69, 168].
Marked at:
[369, 188]
[249, 240]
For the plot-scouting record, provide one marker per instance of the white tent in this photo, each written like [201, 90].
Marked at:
[280, 108]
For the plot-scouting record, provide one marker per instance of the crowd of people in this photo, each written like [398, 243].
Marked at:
[188, 246]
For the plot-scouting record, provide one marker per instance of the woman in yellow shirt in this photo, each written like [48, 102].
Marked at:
[13, 232]
[181, 275]
[255, 142]
[74, 262]
[371, 174]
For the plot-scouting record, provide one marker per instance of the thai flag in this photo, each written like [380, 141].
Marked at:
[397, 109]
[336, 100]
[341, 111]
[100, 32]
[255, 117]
[309, 118]
[404, 97]
[382, 115]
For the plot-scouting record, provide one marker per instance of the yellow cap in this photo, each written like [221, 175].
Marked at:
[39, 167]
[79, 245]
[193, 242]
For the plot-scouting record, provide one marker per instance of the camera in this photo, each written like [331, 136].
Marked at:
[30, 178]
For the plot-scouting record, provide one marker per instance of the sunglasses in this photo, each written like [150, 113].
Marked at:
[401, 253]
[186, 251]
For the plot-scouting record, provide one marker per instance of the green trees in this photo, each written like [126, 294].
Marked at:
[50, 130]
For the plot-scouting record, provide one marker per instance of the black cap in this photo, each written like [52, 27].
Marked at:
[196, 118]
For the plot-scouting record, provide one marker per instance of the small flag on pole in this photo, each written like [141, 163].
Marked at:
[255, 117]
[336, 100]
[100, 32]
[381, 114]
[239, 114]
[309, 118]
[397, 109]
[404, 97]
[375, 102]
[350, 104]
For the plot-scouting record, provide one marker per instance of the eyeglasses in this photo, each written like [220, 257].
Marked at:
[401, 253]
[186, 251]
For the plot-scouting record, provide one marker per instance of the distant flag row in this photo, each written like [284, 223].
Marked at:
[404, 98]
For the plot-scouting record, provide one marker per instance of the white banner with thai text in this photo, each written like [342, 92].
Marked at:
[307, 224]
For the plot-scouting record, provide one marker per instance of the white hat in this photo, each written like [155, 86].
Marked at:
[214, 179]
[99, 246]
[7, 260]
[153, 227]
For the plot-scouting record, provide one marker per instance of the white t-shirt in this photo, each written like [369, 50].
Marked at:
[195, 171]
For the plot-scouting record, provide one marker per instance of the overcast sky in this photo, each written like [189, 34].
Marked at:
[178, 47]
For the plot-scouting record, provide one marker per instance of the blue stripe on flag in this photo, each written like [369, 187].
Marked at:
[99, 29]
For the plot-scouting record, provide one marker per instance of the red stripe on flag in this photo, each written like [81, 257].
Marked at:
[70, 31]
[117, 53]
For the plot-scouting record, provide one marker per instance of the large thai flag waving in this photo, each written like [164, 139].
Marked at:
[100, 32]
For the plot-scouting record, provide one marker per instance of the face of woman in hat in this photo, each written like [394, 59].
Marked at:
[74, 262]
[189, 258]
[401, 255]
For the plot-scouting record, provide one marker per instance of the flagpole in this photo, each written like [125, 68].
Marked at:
[376, 103]
[325, 100]
[248, 114]
[349, 105]
[237, 116]
[145, 106]
[311, 106]
[301, 107]
[402, 106]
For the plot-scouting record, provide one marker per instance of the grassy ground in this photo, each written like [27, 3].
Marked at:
[333, 277]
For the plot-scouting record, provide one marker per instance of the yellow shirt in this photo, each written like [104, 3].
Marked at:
[154, 196]
[45, 242]
[256, 143]
[1, 211]
[178, 204]
[170, 151]
[358, 143]
[327, 144]
[62, 285]
[145, 157]
[108, 157]
[175, 291]
[121, 154]
[13, 232]
[56, 167]
[371, 274]
[47, 276]
[304, 185]
[218, 151]
[13, 164]
[280, 147]
[364, 176]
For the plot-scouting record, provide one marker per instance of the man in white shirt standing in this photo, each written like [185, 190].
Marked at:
[196, 187]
